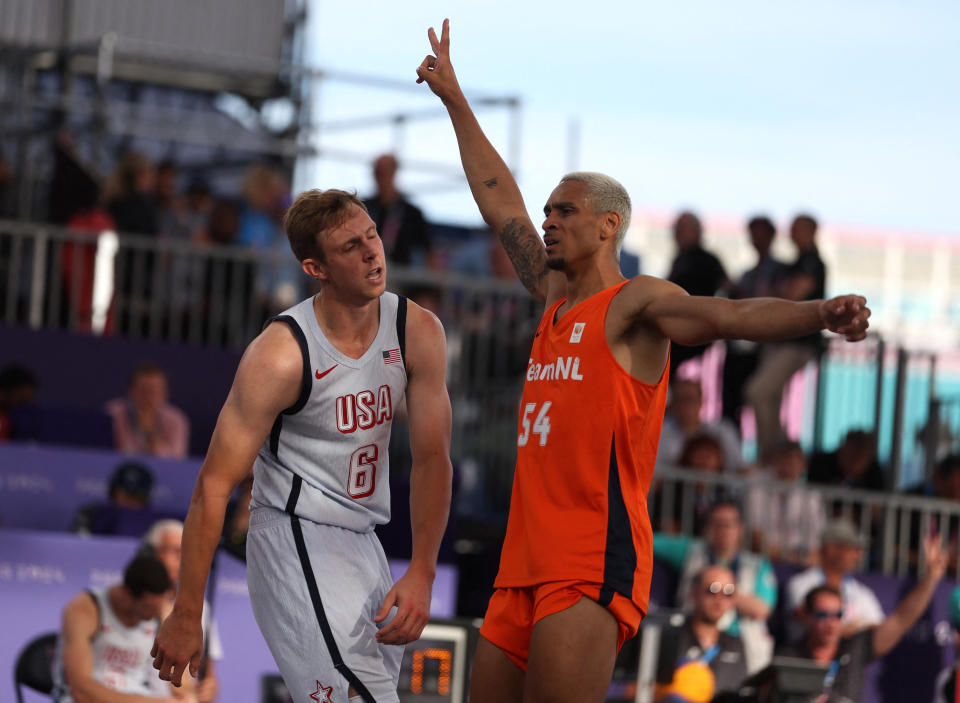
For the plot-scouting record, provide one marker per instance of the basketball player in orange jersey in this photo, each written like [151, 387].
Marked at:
[576, 562]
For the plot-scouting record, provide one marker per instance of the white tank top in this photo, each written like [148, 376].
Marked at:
[326, 459]
[121, 654]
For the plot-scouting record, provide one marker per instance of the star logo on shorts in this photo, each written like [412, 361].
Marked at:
[324, 691]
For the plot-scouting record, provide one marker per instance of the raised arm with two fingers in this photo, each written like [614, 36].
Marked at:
[493, 186]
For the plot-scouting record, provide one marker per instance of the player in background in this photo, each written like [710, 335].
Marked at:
[576, 563]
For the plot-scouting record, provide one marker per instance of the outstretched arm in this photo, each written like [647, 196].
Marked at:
[891, 630]
[493, 186]
[429, 415]
[692, 320]
[248, 414]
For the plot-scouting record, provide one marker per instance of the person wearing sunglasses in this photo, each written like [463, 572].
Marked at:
[701, 640]
[847, 657]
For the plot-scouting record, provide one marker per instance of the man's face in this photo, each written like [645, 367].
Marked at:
[686, 231]
[149, 391]
[824, 622]
[167, 550]
[841, 557]
[724, 530]
[571, 230]
[801, 234]
[354, 261]
[790, 465]
[714, 594]
[761, 239]
[149, 605]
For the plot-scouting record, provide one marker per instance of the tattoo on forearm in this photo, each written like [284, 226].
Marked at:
[526, 252]
[492, 183]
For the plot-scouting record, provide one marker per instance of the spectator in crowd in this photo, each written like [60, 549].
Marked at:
[760, 281]
[279, 278]
[130, 195]
[103, 652]
[18, 388]
[852, 465]
[127, 509]
[702, 638]
[847, 656]
[682, 420]
[695, 270]
[224, 223]
[947, 687]
[945, 485]
[840, 554]
[945, 482]
[402, 226]
[805, 279]
[692, 498]
[144, 421]
[74, 187]
[722, 545]
[786, 517]
[163, 540]
[77, 260]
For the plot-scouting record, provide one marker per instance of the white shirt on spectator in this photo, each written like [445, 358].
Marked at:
[789, 517]
[860, 606]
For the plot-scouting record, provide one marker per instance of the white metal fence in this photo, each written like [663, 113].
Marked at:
[892, 524]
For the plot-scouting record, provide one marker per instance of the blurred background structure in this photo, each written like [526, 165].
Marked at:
[147, 154]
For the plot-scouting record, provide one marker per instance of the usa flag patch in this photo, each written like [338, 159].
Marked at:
[392, 356]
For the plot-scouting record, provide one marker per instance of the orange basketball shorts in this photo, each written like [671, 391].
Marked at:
[512, 613]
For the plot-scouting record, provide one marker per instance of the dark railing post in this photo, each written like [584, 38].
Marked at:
[896, 449]
[878, 403]
[818, 402]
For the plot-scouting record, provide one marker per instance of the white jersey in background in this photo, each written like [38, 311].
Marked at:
[121, 654]
[326, 458]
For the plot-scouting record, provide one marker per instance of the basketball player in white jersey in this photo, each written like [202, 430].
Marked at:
[105, 640]
[310, 409]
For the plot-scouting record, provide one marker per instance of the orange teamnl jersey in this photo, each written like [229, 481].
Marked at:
[586, 448]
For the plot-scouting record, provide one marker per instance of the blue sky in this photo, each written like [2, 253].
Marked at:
[849, 109]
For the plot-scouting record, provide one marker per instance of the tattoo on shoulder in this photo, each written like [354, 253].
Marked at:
[492, 183]
[526, 252]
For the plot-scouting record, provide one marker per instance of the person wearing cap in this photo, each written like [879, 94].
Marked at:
[128, 510]
[847, 656]
[840, 552]
[947, 687]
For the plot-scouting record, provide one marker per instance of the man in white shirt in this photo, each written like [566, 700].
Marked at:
[840, 552]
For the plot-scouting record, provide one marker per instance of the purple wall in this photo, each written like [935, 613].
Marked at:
[84, 371]
[40, 572]
[41, 488]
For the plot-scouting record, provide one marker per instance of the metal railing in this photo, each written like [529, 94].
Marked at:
[892, 524]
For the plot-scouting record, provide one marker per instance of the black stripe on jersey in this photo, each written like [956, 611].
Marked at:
[96, 602]
[402, 327]
[620, 556]
[328, 639]
[275, 434]
[306, 382]
[294, 494]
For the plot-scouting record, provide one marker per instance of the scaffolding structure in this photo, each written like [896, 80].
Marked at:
[200, 83]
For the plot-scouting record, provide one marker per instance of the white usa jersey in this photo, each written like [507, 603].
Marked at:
[121, 654]
[326, 458]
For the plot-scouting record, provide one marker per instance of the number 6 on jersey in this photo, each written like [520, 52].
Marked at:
[363, 472]
[541, 423]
